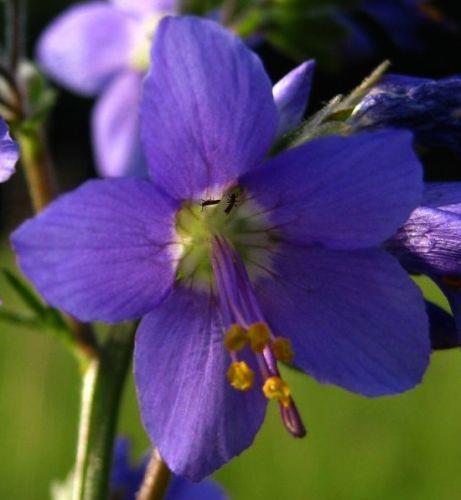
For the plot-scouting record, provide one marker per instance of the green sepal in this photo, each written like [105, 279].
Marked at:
[39, 98]
[332, 118]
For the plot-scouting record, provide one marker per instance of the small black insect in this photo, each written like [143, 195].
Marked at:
[207, 203]
[232, 199]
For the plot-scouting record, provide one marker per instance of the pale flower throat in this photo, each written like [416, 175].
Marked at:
[225, 243]
[145, 30]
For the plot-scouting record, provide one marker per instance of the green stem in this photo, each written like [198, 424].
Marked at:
[156, 479]
[101, 397]
[37, 168]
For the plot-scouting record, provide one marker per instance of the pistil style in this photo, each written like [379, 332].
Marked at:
[248, 331]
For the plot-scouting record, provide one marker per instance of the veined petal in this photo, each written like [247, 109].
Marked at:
[343, 192]
[291, 95]
[9, 153]
[207, 111]
[191, 413]
[103, 252]
[355, 318]
[116, 132]
[429, 242]
[87, 45]
[427, 107]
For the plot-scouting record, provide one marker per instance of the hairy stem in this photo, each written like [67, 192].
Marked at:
[156, 479]
[103, 383]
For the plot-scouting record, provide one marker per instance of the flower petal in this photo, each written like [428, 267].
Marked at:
[145, 7]
[355, 318]
[191, 413]
[103, 251]
[429, 242]
[427, 107]
[125, 477]
[443, 195]
[291, 95]
[116, 129]
[207, 111]
[9, 153]
[181, 489]
[86, 45]
[342, 192]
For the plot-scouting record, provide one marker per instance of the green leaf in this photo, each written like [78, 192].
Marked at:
[41, 318]
[17, 319]
[25, 292]
[301, 29]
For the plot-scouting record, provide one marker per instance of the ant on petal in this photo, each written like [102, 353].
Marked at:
[207, 203]
[232, 201]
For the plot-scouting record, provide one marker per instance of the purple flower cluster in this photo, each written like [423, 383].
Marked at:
[237, 261]
[430, 108]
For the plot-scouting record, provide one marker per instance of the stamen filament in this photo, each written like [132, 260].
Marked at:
[247, 326]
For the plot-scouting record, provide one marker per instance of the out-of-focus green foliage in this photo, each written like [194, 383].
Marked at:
[299, 28]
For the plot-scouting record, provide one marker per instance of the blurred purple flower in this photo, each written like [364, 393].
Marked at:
[430, 243]
[9, 153]
[430, 108]
[102, 49]
[126, 479]
[236, 260]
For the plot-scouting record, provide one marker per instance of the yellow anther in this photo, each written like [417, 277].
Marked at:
[240, 376]
[276, 388]
[259, 336]
[281, 347]
[236, 338]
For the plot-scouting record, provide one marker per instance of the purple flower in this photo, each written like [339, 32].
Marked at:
[237, 261]
[9, 153]
[126, 479]
[430, 108]
[430, 243]
[430, 240]
[102, 48]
